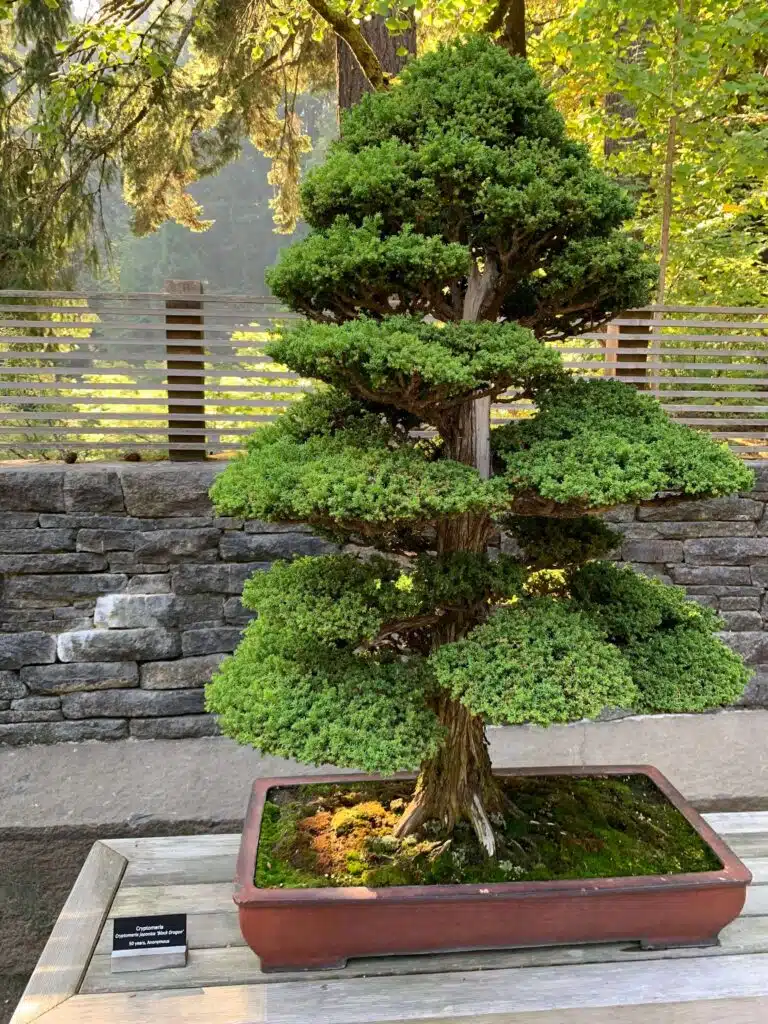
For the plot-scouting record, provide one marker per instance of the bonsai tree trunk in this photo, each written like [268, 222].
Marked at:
[458, 782]
[352, 83]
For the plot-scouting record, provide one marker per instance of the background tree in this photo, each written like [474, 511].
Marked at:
[690, 135]
[455, 229]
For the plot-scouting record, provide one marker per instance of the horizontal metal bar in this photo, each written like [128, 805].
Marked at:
[79, 432]
[610, 354]
[139, 311]
[630, 322]
[85, 325]
[298, 391]
[96, 390]
[122, 296]
[8, 344]
[83, 416]
[615, 338]
[158, 373]
[80, 356]
[746, 310]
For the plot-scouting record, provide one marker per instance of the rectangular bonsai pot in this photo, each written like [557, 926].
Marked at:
[302, 929]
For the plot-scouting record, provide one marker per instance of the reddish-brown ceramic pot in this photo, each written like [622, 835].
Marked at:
[321, 928]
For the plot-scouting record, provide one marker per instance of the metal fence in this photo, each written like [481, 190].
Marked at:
[185, 374]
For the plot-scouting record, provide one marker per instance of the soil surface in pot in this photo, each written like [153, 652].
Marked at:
[557, 827]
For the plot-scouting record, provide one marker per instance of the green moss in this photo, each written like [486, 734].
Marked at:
[600, 827]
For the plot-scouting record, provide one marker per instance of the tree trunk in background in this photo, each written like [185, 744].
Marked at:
[352, 82]
[666, 210]
[513, 34]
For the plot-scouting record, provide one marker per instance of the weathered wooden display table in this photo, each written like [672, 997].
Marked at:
[222, 984]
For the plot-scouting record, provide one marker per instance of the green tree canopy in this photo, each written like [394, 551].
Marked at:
[430, 290]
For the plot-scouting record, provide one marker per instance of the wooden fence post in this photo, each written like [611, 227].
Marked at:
[190, 415]
[616, 341]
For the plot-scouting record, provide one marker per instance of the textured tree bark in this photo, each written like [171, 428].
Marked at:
[458, 782]
[352, 82]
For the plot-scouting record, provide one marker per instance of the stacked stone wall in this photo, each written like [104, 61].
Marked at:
[121, 591]
[120, 597]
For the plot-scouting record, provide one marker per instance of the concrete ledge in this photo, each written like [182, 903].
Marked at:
[715, 760]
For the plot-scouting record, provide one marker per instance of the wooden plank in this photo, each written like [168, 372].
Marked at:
[171, 899]
[731, 824]
[245, 1005]
[748, 844]
[470, 995]
[64, 960]
[209, 964]
[183, 847]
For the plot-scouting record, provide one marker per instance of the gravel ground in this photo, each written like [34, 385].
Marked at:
[37, 869]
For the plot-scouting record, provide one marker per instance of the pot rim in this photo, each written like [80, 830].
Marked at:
[733, 871]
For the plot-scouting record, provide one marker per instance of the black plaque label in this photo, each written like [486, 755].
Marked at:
[160, 932]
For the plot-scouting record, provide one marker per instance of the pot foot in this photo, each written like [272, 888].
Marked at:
[281, 967]
[690, 943]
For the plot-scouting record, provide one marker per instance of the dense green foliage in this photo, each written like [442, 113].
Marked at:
[417, 366]
[568, 827]
[453, 200]
[465, 154]
[607, 443]
[538, 661]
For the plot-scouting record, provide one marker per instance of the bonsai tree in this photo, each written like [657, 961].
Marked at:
[456, 230]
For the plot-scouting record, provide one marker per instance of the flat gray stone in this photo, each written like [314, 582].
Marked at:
[20, 616]
[67, 562]
[722, 590]
[262, 526]
[148, 583]
[181, 674]
[32, 648]
[118, 645]
[134, 611]
[177, 545]
[32, 488]
[726, 551]
[214, 579]
[83, 521]
[105, 540]
[164, 490]
[751, 645]
[690, 530]
[656, 551]
[63, 587]
[76, 676]
[235, 614]
[759, 575]
[138, 611]
[730, 508]
[741, 620]
[180, 727]
[242, 547]
[20, 520]
[732, 575]
[36, 541]
[133, 703]
[126, 561]
[210, 641]
[739, 604]
[61, 732]
[756, 693]
[11, 687]
[38, 709]
[92, 489]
